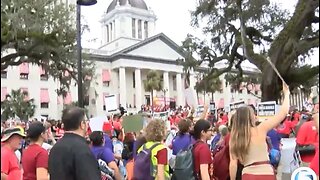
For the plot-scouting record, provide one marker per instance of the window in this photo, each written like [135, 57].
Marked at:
[24, 76]
[106, 83]
[45, 105]
[174, 83]
[133, 80]
[44, 77]
[104, 107]
[4, 74]
[133, 27]
[111, 38]
[140, 29]
[108, 38]
[146, 29]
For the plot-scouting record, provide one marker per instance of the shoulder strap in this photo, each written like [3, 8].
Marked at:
[154, 145]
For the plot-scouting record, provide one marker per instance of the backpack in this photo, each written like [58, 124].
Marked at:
[274, 154]
[143, 167]
[184, 165]
[221, 160]
[106, 172]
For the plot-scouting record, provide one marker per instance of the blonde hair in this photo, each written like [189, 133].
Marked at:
[240, 132]
[155, 131]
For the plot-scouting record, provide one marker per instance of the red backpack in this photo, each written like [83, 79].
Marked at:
[221, 160]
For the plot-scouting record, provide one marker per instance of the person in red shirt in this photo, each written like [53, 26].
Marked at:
[285, 128]
[60, 130]
[314, 165]
[307, 135]
[11, 141]
[34, 157]
[201, 151]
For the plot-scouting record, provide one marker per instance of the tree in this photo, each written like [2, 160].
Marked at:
[153, 82]
[41, 32]
[265, 31]
[16, 105]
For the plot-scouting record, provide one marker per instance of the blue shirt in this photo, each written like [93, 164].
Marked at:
[103, 153]
[181, 142]
[275, 139]
[215, 140]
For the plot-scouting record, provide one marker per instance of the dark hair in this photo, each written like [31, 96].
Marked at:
[35, 130]
[201, 125]
[72, 118]
[184, 126]
[96, 138]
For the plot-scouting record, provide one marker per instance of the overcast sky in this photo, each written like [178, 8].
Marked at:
[173, 20]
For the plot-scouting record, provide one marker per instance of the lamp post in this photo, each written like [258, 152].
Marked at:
[165, 99]
[79, 48]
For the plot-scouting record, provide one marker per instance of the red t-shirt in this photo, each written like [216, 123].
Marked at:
[32, 158]
[9, 164]
[306, 135]
[314, 165]
[117, 125]
[285, 128]
[162, 156]
[202, 155]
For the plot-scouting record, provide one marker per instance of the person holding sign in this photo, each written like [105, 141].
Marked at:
[248, 142]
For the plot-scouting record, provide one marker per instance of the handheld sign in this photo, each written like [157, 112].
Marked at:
[110, 103]
[133, 123]
[96, 123]
[267, 108]
[236, 105]
[191, 97]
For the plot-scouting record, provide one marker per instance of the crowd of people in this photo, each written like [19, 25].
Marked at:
[234, 145]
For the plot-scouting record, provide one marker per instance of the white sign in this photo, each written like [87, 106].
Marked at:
[161, 115]
[96, 123]
[236, 105]
[267, 108]
[111, 103]
[191, 97]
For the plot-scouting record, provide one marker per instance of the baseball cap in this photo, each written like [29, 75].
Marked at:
[7, 133]
[35, 129]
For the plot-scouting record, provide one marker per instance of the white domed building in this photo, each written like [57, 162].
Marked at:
[129, 50]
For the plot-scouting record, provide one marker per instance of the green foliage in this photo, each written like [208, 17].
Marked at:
[153, 81]
[16, 105]
[269, 32]
[41, 32]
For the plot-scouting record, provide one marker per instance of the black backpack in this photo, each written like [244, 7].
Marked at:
[184, 165]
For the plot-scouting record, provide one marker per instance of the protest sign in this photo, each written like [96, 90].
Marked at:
[96, 123]
[161, 115]
[110, 103]
[236, 105]
[133, 123]
[213, 108]
[191, 97]
[267, 108]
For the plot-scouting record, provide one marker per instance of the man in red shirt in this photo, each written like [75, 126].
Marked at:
[11, 141]
[307, 135]
[34, 157]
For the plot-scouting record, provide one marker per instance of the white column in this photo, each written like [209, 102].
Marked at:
[137, 77]
[179, 90]
[166, 85]
[122, 85]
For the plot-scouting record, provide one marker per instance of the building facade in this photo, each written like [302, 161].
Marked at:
[129, 50]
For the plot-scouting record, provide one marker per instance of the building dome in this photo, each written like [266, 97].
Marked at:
[134, 3]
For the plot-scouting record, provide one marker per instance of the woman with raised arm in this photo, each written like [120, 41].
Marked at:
[248, 142]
